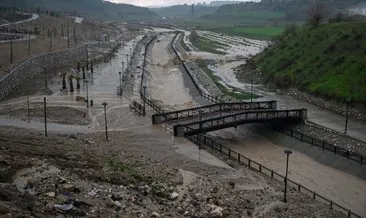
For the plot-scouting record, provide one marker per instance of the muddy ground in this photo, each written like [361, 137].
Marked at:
[141, 172]
[136, 174]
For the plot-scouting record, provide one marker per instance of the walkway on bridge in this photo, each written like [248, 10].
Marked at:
[223, 115]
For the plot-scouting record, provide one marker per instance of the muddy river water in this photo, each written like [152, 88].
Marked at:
[305, 165]
[166, 86]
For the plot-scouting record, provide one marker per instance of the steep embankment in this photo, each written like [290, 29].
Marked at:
[328, 60]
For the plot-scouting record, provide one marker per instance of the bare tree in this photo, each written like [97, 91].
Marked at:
[317, 13]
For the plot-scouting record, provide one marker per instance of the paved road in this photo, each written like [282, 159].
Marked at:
[34, 17]
[21, 36]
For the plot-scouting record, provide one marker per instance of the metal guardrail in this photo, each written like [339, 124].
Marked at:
[325, 146]
[207, 143]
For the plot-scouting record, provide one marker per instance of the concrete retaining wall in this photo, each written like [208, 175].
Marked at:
[29, 68]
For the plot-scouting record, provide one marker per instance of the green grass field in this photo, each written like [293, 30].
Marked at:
[245, 16]
[328, 60]
[253, 24]
[234, 94]
[252, 32]
[205, 44]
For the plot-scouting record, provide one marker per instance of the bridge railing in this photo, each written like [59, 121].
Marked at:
[248, 116]
[207, 143]
[213, 108]
[324, 145]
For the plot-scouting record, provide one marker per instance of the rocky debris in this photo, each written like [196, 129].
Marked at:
[174, 195]
[215, 211]
[332, 137]
[203, 79]
[143, 181]
[155, 214]
[355, 112]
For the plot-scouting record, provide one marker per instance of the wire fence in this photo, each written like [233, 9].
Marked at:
[324, 145]
[207, 143]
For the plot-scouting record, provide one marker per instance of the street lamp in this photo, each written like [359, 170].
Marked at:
[123, 66]
[87, 93]
[200, 117]
[144, 99]
[348, 102]
[127, 60]
[287, 152]
[120, 83]
[105, 120]
[251, 91]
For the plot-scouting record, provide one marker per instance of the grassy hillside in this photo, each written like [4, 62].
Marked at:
[328, 60]
[265, 19]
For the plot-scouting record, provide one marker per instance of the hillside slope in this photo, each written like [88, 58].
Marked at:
[184, 12]
[97, 9]
[287, 11]
[328, 60]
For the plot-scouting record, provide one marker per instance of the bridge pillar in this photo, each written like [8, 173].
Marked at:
[304, 114]
[179, 131]
[156, 119]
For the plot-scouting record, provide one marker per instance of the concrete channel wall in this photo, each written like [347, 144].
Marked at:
[31, 67]
[191, 74]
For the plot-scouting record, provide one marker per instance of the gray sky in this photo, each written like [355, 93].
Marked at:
[158, 2]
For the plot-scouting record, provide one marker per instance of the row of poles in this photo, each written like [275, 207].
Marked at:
[45, 116]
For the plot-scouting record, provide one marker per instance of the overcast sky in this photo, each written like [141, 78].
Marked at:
[158, 2]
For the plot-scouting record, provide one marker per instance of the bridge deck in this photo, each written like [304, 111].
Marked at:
[232, 120]
[209, 110]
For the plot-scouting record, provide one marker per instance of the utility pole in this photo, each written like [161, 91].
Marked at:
[28, 103]
[87, 93]
[45, 116]
[120, 83]
[51, 43]
[145, 100]
[54, 65]
[11, 51]
[251, 91]
[348, 102]
[105, 120]
[68, 35]
[45, 78]
[127, 61]
[287, 152]
[29, 44]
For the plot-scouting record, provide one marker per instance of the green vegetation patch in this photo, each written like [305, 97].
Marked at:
[124, 168]
[239, 95]
[328, 60]
[246, 16]
[252, 32]
[205, 44]
[183, 44]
